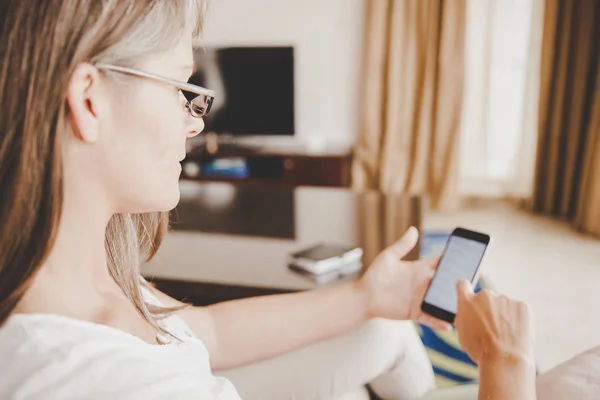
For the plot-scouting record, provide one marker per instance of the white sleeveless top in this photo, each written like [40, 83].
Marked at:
[50, 357]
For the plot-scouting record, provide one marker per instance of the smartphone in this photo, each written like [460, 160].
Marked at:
[460, 260]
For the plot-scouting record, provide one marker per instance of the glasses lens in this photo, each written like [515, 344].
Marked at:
[199, 104]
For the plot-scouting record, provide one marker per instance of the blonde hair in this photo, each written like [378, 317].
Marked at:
[41, 43]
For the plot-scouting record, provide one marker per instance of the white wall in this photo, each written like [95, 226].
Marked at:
[327, 35]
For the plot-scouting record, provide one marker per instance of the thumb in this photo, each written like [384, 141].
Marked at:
[406, 243]
[464, 290]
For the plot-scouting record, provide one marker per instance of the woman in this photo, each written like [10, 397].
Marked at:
[94, 122]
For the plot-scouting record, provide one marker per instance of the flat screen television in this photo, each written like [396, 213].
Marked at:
[254, 89]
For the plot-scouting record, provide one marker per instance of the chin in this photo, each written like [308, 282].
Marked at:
[170, 195]
[166, 201]
[151, 196]
[172, 202]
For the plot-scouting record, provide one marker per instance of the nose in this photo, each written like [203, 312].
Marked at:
[194, 126]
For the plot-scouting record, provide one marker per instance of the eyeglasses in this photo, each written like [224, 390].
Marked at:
[199, 99]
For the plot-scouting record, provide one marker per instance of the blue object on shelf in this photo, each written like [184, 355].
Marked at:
[226, 167]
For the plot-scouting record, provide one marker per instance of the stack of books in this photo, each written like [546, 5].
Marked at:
[325, 262]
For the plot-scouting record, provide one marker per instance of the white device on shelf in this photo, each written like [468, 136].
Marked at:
[323, 258]
[330, 276]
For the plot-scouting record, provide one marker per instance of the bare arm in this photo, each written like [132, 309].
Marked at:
[497, 333]
[244, 331]
[506, 378]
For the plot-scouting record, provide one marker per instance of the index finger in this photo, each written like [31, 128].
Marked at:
[464, 290]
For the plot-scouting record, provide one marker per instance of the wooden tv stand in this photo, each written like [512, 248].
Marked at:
[289, 165]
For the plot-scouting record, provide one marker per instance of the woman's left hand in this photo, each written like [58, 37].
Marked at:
[395, 288]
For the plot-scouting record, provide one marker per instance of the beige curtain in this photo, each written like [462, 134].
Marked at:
[384, 219]
[499, 120]
[567, 181]
[412, 87]
[519, 186]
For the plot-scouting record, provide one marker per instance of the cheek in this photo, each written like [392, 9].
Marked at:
[147, 140]
[162, 135]
[158, 127]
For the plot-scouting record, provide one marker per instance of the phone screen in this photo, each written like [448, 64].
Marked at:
[460, 260]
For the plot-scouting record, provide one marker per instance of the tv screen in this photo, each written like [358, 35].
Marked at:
[254, 89]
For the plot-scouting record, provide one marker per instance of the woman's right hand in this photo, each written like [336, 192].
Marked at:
[492, 326]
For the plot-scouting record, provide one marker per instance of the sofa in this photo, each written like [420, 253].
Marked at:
[461, 392]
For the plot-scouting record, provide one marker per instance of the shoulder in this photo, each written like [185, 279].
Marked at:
[46, 359]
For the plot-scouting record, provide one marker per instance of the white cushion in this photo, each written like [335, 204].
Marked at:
[459, 392]
[359, 394]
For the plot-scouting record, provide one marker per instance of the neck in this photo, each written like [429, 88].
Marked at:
[76, 268]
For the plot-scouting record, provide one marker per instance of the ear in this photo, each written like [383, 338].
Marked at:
[83, 98]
